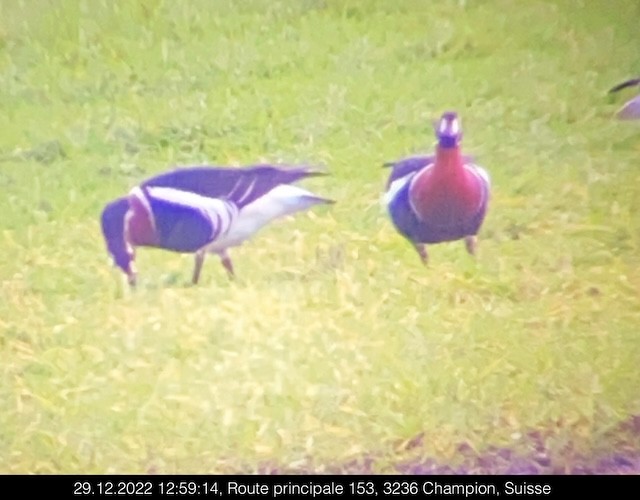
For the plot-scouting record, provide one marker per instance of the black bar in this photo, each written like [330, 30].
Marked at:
[316, 486]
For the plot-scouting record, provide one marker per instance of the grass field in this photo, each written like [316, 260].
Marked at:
[334, 343]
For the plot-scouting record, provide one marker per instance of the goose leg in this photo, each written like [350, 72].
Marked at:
[198, 266]
[422, 252]
[471, 242]
[132, 275]
[226, 262]
[131, 279]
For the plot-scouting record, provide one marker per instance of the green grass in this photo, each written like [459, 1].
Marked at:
[334, 342]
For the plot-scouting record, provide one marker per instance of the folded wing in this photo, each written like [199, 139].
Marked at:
[240, 185]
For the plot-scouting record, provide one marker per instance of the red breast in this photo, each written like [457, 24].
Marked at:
[447, 192]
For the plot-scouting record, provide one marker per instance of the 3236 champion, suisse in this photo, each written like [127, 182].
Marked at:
[402, 488]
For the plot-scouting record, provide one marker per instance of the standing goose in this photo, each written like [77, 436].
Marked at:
[441, 197]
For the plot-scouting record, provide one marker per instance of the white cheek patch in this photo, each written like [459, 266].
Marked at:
[450, 127]
[139, 195]
[127, 219]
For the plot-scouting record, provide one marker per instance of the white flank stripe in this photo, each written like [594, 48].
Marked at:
[227, 216]
[280, 201]
[481, 172]
[395, 186]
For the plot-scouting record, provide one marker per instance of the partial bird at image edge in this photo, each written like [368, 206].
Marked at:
[630, 110]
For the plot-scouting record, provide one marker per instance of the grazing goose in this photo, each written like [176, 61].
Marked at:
[202, 209]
